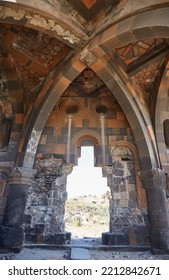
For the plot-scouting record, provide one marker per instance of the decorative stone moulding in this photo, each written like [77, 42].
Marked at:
[102, 107]
[70, 107]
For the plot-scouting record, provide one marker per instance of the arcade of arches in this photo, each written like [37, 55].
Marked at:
[84, 73]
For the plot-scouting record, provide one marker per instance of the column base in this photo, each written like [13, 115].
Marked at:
[137, 235]
[36, 236]
[159, 238]
[60, 238]
[109, 238]
[11, 238]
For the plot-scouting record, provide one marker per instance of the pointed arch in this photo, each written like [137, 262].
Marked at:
[43, 18]
[136, 113]
[55, 89]
[148, 24]
[162, 115]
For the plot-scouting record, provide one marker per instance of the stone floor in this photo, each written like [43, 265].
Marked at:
[96, 251]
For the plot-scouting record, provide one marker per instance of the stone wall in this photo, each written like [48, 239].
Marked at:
[45, 209]
[128, 222]
[44, 215]
[79, 123]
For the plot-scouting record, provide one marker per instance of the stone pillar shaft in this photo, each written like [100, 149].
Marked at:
[2, 200]
[154, 182]
[19, 181]
[4, 173]
[12, 233]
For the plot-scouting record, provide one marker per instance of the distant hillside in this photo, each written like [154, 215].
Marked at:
[87, 215]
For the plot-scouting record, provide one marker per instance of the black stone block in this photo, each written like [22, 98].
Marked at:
[59, 238]
[116, 188]
[29, 229]
[118, 165]
[109, 131]
[159, 238]
[132, 204]
[142, 235]
[51, 140]
[41, 148]
[109, 238]
[11, 237]
[116, 180]
[30, 238]
[123, 131]
[27, 218]
[118, 172]
[61, 140]
[48, 131]
[39, 228]
[131, 180]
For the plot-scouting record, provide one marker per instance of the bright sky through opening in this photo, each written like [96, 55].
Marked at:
[86, 179]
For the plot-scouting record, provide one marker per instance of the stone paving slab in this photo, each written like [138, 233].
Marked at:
[64, 254]
[80, 254]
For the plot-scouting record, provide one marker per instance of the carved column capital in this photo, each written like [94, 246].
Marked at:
[153, 178]
[22, 176]
[5, 169]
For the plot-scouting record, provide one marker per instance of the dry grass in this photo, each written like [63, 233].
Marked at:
[87, 216]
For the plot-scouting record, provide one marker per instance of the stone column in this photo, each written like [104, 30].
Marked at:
[4, 173]
[2, 199]
[54, 232]
[154, 182]
[12, 233]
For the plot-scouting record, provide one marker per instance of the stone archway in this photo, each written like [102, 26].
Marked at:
[45, 209]
[112, 37]
[160, 118]
[89, 138]
[87, 213]
[150, 23]
[98, 57]
[129, 100]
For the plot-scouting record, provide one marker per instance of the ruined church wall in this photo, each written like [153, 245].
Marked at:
[44, 214]
[128, 211]
[85, 125]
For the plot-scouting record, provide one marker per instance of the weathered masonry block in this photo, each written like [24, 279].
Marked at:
[44, 215]
[127, 221]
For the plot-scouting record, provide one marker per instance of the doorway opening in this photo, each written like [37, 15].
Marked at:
[87, 207]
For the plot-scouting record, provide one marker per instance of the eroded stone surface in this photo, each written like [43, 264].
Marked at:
[45, 207]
